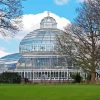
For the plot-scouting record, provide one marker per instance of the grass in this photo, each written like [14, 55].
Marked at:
[49, 92]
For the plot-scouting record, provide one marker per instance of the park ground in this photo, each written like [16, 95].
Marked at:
[49, 92]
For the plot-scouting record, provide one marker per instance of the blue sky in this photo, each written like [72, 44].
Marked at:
[63, 10]
[66, 9]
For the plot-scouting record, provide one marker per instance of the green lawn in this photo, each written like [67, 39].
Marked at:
[49, 92]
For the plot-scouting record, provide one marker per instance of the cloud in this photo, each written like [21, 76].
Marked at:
[32, 22]
[1, 36]
[3, 52]
[61, 2]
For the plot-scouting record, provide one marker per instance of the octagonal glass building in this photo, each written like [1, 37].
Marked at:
[38, 58]
[39, 47]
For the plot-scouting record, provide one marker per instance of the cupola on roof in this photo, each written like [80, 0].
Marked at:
[48, 22]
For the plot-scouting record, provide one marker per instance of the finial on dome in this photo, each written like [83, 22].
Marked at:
[48, 13]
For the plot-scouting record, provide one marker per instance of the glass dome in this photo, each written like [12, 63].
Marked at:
[43, 39]
[39, 47]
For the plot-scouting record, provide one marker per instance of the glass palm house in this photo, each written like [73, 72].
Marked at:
[40, 59]
[39, 47]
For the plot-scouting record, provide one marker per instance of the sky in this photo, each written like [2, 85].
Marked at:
[64, 11]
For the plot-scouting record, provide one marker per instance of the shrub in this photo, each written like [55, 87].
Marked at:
[10, 77]
[77, 78]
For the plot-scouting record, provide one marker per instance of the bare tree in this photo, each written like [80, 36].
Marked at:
[10, 20]
[66, 48]
[85, 35]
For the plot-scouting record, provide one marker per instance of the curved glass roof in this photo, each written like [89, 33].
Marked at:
[12, 57]
[39, 40]
[43, 39]
[9, 61]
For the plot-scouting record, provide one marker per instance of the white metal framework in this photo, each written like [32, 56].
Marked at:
[40, 59]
